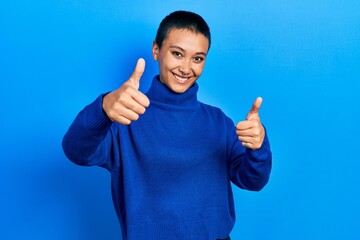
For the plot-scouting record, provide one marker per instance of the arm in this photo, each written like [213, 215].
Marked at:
[249, 169]
[92, 138]
[251, 155]
[82, 142]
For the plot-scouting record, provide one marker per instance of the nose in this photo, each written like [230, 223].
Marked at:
[185, 67]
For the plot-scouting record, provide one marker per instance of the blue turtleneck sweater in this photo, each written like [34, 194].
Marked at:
[171, 169]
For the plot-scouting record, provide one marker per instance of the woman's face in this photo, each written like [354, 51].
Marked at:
[181, 58]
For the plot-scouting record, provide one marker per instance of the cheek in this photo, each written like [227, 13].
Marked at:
[198, 69]
[170, 63]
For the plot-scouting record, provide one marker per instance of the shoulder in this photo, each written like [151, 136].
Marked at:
[216, 113]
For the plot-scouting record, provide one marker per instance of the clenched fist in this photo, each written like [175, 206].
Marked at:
[127, 102]
[251, 132]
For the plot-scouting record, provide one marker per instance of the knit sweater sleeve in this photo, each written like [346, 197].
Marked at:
[248, 169]
[88, 139]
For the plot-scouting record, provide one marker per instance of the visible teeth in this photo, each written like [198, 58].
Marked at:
[180, 79]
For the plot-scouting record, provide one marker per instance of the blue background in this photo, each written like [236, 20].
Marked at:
[302, 57]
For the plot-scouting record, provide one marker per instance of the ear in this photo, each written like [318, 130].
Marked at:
[155, 51]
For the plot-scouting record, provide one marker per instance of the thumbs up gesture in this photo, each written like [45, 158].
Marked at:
[127, 102]
[251, 132]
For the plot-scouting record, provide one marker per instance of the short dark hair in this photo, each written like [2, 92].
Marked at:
[182, 20]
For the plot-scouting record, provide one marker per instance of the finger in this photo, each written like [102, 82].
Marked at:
[246, 133]
[122, 120]
[245, 139]
[135, 100]
[249, 142]
[256, 105]
[127, 113]
[255, 108]
[247, 145]
[138, 72]
[246, 142]
[141, 98]
[134, 106]
[243, 125]
[132, 98]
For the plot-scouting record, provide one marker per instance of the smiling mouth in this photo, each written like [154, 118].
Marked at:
[181, 80]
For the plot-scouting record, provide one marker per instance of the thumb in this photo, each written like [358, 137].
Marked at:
[138, 72]
[255, 108]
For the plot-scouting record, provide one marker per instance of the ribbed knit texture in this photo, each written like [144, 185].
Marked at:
[171, 169]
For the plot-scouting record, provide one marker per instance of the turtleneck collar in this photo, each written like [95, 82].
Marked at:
[160, 93]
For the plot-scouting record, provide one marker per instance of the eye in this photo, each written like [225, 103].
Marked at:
[176, 54]
[198, 59]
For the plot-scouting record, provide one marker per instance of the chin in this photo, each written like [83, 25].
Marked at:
[180, 89]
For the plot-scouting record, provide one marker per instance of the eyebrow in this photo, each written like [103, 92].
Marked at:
[180, 48]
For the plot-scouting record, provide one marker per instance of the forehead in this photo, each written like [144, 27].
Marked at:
[186, 39]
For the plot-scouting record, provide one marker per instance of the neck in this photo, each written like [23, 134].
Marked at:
[159, 92]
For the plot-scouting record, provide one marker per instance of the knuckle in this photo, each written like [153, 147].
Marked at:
[126, 88]
[110, 114]
[123, 98]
